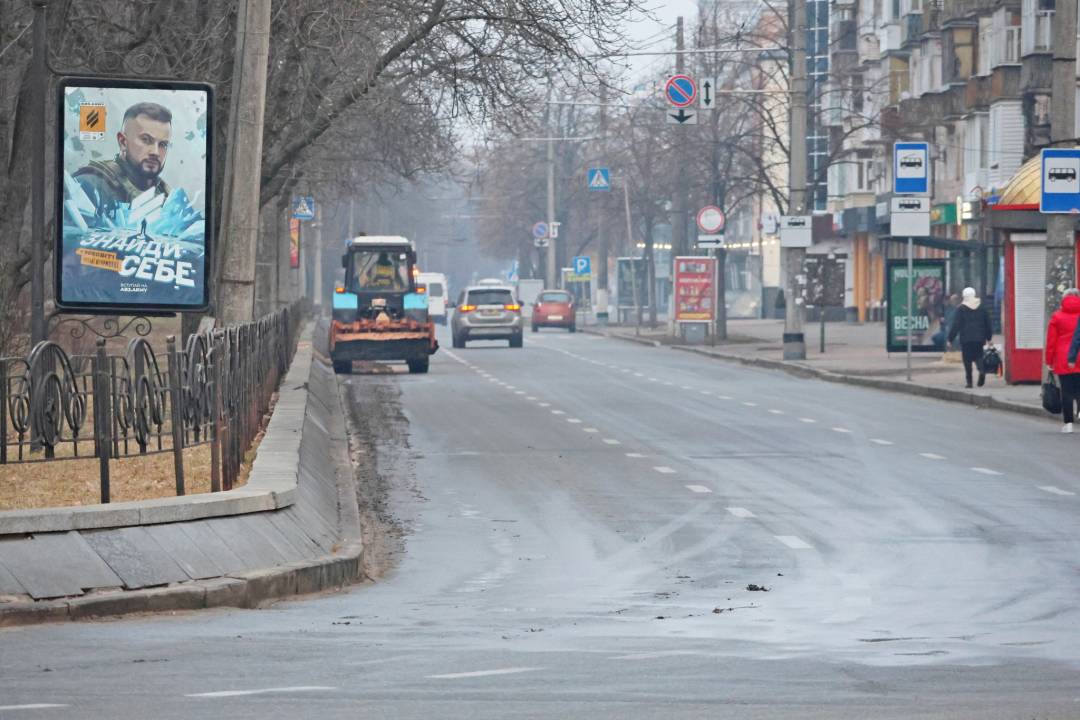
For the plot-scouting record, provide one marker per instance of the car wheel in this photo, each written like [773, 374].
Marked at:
[343, 367]
[572, 328]
[458, 341]
[419, 366]
[536, 328]
[517, 341]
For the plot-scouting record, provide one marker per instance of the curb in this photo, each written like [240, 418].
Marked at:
[808, 373]
[250, 589]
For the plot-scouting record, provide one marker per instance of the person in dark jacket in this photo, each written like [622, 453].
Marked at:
[973, 328]
[1060, 356]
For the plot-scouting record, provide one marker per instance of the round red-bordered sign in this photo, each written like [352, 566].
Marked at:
[711, 220]
[681, 90]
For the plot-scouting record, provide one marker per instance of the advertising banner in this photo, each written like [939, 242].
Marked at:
[294, 243]
[695, 289]
[632, 272]
[928, 318]
[133, 196]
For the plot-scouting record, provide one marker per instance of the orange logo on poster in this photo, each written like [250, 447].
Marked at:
[92, 119]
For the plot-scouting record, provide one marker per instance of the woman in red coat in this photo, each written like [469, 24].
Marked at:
[1058, 337]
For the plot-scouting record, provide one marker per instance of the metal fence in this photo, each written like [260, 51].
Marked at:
[214, 391]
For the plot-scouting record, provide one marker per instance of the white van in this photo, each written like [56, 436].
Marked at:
[437, 292]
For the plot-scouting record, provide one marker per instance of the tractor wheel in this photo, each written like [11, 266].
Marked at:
[419, 366]
[343, 367]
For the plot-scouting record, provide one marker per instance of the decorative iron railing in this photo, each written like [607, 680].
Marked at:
[215, 390]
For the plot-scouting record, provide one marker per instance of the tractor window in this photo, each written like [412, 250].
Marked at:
[379, 270]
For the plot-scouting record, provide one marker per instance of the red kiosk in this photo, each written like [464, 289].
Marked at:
[1018, 222]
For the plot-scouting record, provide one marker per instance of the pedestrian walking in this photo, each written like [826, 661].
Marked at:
[1060, 357]
[972, 327]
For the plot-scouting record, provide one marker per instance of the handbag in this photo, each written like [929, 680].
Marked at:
[1051, 394]
[991, 360]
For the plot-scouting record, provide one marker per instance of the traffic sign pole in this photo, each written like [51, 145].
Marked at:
[910, 298]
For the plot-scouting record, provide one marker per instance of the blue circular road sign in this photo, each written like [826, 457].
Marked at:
[540, 230]
[681, 90]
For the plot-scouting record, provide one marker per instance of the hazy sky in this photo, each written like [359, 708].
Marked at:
[658, 32]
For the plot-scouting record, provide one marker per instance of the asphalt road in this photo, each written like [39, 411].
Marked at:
[571, 532]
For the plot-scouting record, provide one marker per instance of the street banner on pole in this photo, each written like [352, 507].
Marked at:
[133, 195]
[294, 243]
[928, 308]
[695, 289]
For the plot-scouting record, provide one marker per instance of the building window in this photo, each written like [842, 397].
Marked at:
[1038, 18]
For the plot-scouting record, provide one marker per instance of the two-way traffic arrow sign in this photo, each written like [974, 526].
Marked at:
[708, 94]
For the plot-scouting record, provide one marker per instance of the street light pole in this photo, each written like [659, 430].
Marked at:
[40, 83]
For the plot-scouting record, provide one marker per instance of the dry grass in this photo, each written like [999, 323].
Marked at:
[75, 482]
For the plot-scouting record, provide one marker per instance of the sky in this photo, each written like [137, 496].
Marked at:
[657, 31]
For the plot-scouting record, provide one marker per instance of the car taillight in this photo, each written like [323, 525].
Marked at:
[513, 306]
[466, 308]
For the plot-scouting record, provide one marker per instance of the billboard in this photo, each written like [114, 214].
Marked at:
[133, 195]
[626, 282]
[294, 243]
[928, 291]
[695, 289]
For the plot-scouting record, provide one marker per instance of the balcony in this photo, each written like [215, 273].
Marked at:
[912, 27]
[954, 10]
[889, 40]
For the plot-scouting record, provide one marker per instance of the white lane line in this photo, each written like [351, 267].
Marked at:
[639, 374]
[740, 512]
[808, 421]
[634, 455]
[519, 392]
[725, 397]
[262, 691]
[653, 380]
[590, 430]
[664, 470]
[545, 404]
[557, 412]
[483, 673]
[684, 387]
[842, 430]
[793, 542]
[706, 392]
[879, 441]
[750, 404]
[611, 441]
[510, 387]
[669, 384]
[985, 471]
[1054, 490]
[932, 456]
[777, 412]
[655, 655]
[573, 421]
[698, 489]
[530, 397]
[31, 706]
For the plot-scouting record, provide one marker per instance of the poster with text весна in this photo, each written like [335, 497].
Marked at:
[928, 317]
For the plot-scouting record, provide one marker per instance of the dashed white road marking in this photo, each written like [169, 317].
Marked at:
[684, 387]
[932, 456]
[611, 441]
[808, 421]
[653, 380]
[985, 471]
[557, 412]
[698, 489]
[706, 392]
[634, 455]
[639, 374]
[590, 430]
[777, 412]
[740, 512]
[879, 441]
[573, 421]
[1054, 490]
[842, 430]
[530, 397]
[483, 673]
[519, 392]
[669, 384]
[725, 397]
[31, 706]
[262, 691]
[655, 655]
[794, 542]
[545, 404]
[664, 470]
[749, 404]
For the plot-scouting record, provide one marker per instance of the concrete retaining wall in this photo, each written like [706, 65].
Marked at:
[308, 543]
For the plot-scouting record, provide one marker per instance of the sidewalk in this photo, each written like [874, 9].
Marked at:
[854, 354]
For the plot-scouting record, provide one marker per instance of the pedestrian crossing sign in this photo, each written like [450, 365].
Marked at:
[304, 208]
[599, 178]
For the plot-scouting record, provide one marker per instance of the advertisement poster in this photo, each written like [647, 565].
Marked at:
[824, 281]
[133, 196]
[928, 318]
[294, 243]
[695, 289]
[626, 282]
